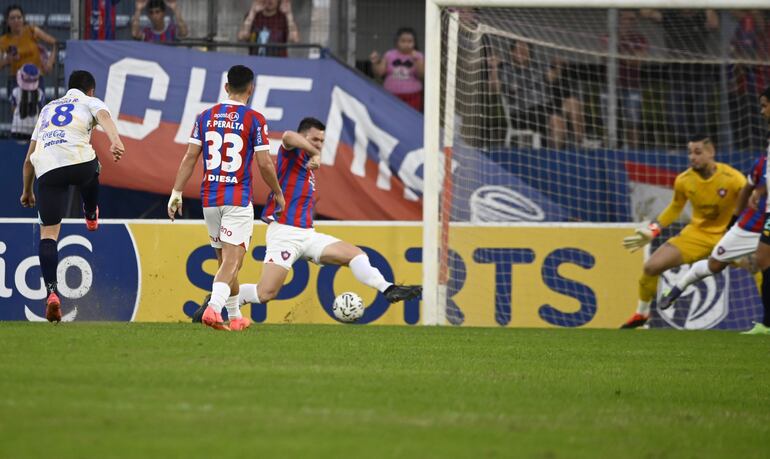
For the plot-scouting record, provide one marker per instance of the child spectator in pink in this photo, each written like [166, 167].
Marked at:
[403, 68]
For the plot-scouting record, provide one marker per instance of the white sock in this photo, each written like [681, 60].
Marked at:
[248, 294]
[368, 274]
[643, 308]
[220, 291]
[233, 308]
[699, 270]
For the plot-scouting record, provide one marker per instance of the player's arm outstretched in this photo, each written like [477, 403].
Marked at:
[116, 145]
[186, 168]
[642, 236]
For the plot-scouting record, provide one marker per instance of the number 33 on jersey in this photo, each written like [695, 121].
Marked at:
[229, 134]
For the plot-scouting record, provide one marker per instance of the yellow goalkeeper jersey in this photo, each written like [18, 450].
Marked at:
[713, 199]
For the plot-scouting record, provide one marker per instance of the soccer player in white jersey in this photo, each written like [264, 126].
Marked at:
[60, 154]
[763, 249]
[230, 135]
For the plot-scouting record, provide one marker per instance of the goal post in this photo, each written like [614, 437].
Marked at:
[446, 116]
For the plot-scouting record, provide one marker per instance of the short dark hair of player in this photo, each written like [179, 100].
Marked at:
[82, 80]
[239, 77]
[766, 93]
[309, 123]
[701, 138]
[156, 4]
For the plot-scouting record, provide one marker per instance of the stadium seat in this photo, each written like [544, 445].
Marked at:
[62, 21]
[524, 136]
[122, 20]
[35, 19]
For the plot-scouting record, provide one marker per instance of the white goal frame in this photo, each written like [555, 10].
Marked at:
[434, 297]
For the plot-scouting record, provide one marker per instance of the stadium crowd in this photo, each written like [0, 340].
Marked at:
[660, 104]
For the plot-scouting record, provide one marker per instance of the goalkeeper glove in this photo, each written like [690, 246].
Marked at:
[642, 237]
[174, 204]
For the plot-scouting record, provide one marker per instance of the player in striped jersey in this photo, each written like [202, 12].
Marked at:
[290, 233]
[763, 248]
[740, 241]
[99, 19]
[230, 135]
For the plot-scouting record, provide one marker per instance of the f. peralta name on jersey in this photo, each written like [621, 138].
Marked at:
[226, 124]
[222, 178]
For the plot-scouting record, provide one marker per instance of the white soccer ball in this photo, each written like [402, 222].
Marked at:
[348, 307]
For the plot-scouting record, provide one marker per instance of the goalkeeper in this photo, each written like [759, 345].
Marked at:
[713, 189]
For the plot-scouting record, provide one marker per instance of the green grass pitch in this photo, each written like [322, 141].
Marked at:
[109, 390]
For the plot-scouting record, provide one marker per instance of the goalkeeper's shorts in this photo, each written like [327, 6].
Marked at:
[694, 245]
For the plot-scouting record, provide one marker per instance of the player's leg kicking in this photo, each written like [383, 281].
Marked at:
[735, 244]
[285, 244]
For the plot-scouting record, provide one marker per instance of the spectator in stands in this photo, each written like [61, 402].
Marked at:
[751, 41]
[402, 67]
[99, 19]
[536, 98]
[21, 44]
[687, 35]
[159, 30]
[26, 99]
[629, 83]
[269, 21]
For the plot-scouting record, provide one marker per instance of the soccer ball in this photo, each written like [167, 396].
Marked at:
[348, 307]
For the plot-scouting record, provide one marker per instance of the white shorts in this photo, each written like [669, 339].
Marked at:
[286, 244]
[231, 224]
[735, 244]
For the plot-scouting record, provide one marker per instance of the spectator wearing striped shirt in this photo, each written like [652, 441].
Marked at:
[269, 21]
[159, 30]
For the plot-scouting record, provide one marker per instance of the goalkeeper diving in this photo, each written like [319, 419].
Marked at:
[714, 190]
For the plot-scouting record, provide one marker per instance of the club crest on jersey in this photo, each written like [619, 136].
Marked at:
[222, 178]
[722, 192]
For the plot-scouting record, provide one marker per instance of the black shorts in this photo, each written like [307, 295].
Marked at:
[53, 189]
[764, 237]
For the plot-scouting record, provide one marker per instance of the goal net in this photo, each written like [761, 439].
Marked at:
[572, 124]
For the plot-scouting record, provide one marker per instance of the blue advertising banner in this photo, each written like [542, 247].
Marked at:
[373, 148]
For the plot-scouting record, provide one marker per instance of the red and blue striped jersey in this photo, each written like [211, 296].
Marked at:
[298, 185]
[100, 19]
[168, 34]
[754, 219]
[229, 133]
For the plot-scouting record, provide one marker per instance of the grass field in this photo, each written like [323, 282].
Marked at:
[111, 390]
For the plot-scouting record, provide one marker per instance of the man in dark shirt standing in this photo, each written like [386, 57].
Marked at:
[537, 95]
[269, 21]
